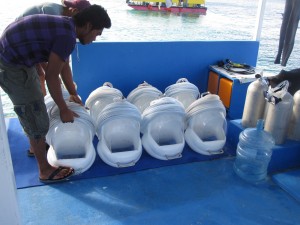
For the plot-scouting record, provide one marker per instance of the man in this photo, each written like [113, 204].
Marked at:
[44, 38]
[68, 8]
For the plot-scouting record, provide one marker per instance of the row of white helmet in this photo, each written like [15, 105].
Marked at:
[147, 119]
[165, 122]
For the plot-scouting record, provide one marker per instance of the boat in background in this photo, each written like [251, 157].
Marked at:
[174, 6]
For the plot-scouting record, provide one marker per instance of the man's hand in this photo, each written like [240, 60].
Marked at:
[76, 99]
[67, 115]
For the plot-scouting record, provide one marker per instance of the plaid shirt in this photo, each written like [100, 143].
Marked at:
[31, 39]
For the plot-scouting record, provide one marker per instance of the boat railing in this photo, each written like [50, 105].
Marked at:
[9, 210]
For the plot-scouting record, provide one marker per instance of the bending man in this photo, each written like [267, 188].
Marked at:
[44, 38]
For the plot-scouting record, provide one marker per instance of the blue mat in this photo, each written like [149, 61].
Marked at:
[290, 182]
[26, 171]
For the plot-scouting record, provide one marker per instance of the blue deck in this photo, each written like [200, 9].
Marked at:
[192, 193]
[203, 192]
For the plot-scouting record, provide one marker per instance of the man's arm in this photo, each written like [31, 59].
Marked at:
[67, 78]
[54, 68]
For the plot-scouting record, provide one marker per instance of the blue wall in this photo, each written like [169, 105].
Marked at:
[127, 64]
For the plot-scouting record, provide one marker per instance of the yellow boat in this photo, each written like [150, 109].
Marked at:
[174, 6]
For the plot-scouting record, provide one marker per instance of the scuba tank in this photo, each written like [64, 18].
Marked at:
[279, 110]
[294, 127]
[255, 102]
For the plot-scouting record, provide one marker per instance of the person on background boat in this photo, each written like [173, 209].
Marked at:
[67, 8]
[45, 38]
[288, 31]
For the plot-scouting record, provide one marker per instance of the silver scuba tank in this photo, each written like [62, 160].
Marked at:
[255, 102]
[279, 111]
[294, 127]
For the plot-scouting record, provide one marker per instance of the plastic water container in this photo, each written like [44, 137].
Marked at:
[253, 153]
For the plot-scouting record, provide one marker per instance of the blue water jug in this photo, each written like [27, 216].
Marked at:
[253, 153]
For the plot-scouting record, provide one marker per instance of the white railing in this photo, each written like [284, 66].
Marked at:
[9, 210]
[259, 19]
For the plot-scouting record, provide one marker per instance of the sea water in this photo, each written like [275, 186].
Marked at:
[225, 20]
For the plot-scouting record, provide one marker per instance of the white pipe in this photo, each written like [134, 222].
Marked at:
[9, 210]
[259, 19]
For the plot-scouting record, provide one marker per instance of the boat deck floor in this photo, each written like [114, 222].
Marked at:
[206, 192]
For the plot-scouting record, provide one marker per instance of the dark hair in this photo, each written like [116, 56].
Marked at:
[96, 15]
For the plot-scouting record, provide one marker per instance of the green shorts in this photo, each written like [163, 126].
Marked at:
[23, 87]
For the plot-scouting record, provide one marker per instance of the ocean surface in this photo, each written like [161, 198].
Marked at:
[225, 20]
